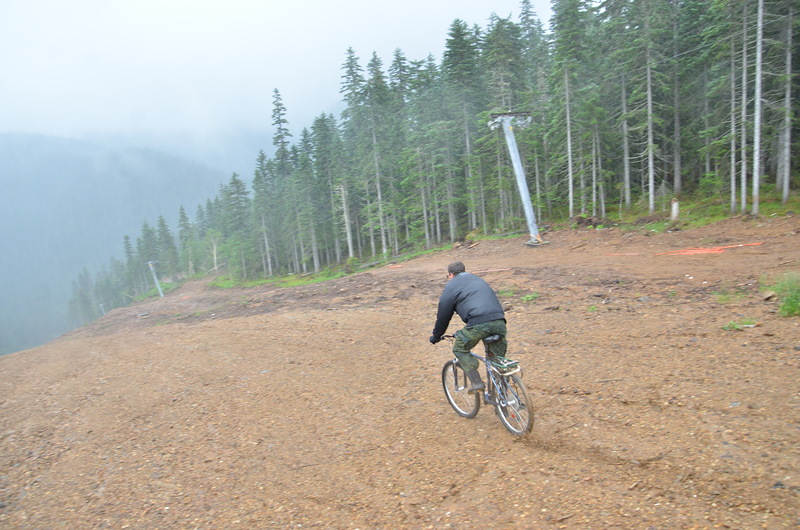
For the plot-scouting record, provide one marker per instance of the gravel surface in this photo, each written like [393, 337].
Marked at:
[321, 406]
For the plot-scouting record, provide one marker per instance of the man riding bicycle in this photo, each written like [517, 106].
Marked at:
[478, 306]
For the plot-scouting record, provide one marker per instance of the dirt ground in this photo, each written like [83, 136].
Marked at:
[321, 406]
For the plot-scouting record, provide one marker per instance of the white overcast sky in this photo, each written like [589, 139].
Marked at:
[82, 67]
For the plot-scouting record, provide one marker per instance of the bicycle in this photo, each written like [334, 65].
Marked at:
[504, 390]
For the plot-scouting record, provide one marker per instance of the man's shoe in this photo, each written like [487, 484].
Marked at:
[477, 384]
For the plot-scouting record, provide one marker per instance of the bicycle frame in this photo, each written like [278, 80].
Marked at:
[493, 378]
[504, 391]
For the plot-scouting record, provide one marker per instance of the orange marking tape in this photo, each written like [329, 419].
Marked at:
[702, 250]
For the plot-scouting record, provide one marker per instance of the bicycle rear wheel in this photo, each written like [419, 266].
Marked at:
[456, 383]
[513, 406]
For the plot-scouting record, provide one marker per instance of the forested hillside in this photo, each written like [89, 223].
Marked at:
[627, 104]
[63, 205]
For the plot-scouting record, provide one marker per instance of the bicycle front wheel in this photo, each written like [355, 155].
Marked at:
[456, 383]
[513, 406]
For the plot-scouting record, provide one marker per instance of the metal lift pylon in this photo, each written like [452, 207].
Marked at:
[522, 119]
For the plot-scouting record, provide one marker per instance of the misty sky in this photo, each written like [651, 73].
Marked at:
[198, 68]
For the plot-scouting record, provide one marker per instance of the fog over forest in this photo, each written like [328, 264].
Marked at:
[66, 205]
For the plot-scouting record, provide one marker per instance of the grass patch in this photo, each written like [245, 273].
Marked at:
[308, 279]
[738, 326]
[725, 296]
[224, 282]
[153, 292]
[532, 297]
[292, 280]
[788, 289]
[697, 210]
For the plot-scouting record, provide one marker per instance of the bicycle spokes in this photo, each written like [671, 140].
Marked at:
[455, 383]
[513, 407]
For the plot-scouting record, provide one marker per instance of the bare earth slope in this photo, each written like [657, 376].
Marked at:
[321, 406]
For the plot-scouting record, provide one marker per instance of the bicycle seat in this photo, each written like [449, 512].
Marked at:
[492, 338]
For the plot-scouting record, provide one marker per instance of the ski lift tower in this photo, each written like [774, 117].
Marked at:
[522, 119]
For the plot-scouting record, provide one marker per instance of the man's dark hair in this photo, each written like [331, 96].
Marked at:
[456, 268]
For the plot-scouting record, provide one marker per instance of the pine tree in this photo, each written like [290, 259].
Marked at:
[236, 228]
[167, 251]
[463, 78]
[570, 19]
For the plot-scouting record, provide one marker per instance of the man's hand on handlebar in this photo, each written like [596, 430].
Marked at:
[435, 340]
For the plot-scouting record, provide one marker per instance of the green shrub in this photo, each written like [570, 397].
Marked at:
[789, 291]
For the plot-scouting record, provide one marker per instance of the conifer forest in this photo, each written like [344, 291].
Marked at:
[619, 104]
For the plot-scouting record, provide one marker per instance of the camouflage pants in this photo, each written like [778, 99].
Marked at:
[468, 337]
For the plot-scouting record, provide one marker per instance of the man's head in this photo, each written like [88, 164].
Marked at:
[455, 268]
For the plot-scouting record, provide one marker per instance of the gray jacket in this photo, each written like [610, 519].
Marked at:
[472, 298]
